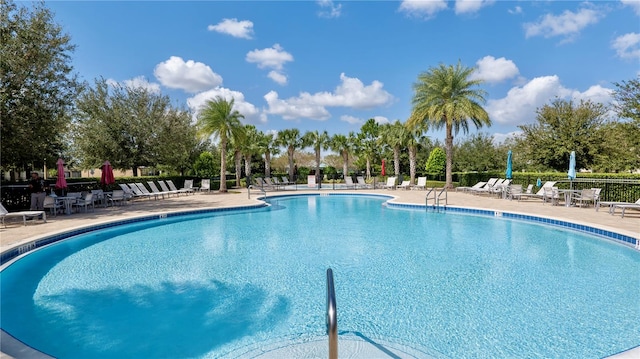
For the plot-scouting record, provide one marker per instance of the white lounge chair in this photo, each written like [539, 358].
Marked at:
[173, 187]
[421, 184]
[52, 205]
[24, 214]
[205, 185]
[472, 188]
[404, 185]
[86, 202]
[362, 183]
[145, 191]
[486, 188]
[528, 192]
[585, 196]
[349, 182]
[624, 206]
[156, 190]
[391, 183]
[165, 188]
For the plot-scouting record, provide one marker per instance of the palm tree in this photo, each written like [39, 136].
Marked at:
[267, 145]
[343, 145]
[250, 146]
[445, 96]
[367, 138]
[218, 118]
[319, 141]
[413, 141]
[395, 135]
[290, 139]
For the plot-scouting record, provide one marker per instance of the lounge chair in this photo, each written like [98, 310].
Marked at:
[391, 183]
[421, 184]
[404, 185]
[624, 207]
[263, 185]
[362, 183]
[285, 181]
[472, 188]
[24, 214]
[117, 197]
[166, 189]
[528, 192]
[550, 194]
[173, 187]
[205, 185]
[349, 182]
[155, 190]
[132, 191]
[270, 183]
[145, 191]
[486, 188]
[514, 191]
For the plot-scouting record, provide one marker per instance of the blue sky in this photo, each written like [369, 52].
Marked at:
[330, 65]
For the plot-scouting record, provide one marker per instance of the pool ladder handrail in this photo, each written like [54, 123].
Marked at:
[332, 317]
[436, 197]
[264, 192]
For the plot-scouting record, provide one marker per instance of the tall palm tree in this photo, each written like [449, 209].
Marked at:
[395, 135]
[413, 141]
[367, 138]
[250, 147]
[319, 141]
[446, 96]
[218, 118]
[267, 145]
[291, 140]
[343, 145]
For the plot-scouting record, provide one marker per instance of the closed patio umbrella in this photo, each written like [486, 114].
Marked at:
[384, 169]
[107, 174]
[509, 173]
[572, 168]
[61, 182]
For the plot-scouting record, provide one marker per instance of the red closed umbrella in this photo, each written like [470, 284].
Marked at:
[384, 169]
[107, 174]
[61, 182]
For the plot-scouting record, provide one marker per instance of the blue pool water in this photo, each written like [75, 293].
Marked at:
[213, 285]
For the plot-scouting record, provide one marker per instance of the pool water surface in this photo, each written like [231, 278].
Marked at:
[209, 285]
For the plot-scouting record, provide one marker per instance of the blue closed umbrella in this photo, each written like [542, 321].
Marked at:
[539, 182]
[508, 173]
[572, 166]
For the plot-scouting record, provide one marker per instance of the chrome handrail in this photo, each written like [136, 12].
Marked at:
[258, 188]
[426, 198]
[332, 317]
[446, 197]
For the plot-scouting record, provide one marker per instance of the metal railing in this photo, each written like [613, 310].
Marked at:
[446, 197]
[264, 192]
[332, 317]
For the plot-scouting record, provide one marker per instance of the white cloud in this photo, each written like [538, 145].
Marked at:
[381, 120]
[471, 6]
[295, 107]
[351, 93]
[520, 105]
[278, 77]
[568, 24]
[329, 9]
[627, 46]
[141, 82]
[241, 29]
[635, 4]
[422, 8]
[515, 10]
[273, 57]
[351, 120]
[494, 70]
[249, 111]
[189, 76]
[499, 138]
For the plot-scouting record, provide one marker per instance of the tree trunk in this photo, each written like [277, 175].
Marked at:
[396, 161]
[135, 171]
[412, 163]
[223, 165]
[290, 152]
[368, 168]
[318, 179]
[238, 159]
[448, 142]
[267, 164]
[247, 166]
[345, 165]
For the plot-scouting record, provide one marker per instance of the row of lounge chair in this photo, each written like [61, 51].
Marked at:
[138, 190]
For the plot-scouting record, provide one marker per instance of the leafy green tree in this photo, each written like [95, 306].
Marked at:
[37, 86]
[445, 96]
[205, 165]
[477, 153]
[627, 99]
[131, 127]
[437, 161]
[319, 141]
[177, 144]
[563, 127]
[267, 145]
[218, 118]
[368, 143]
[250, 146]
[626, 135]
[291, 140]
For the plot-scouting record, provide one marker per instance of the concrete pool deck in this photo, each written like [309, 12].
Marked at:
[16, 234]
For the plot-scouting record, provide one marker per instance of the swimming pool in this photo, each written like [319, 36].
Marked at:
[223, 284]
